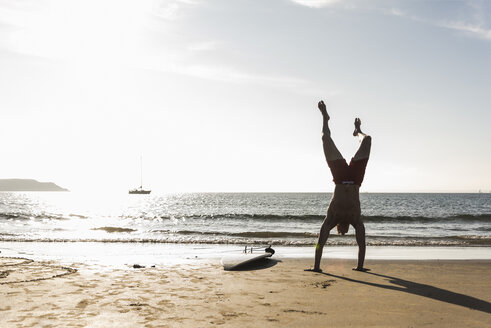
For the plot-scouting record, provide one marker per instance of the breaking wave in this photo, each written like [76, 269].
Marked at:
[260, 217]
[250, 238]
[114, 229]
[316, 218]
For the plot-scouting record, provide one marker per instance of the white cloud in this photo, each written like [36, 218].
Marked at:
[123, 36]
[21, 14]
[231, 75]
[236, 76]
[61, 29]
[166, 11]
[202, 46]
[395, 12]
[316, 3]
[469, 29]
[170, 9]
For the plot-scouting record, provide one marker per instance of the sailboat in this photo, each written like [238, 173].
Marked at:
[140, 191]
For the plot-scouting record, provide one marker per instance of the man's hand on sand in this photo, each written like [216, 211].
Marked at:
[361, 269]
[313, 270]
[322, 108]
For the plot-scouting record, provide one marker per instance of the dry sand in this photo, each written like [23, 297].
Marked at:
[280, 294]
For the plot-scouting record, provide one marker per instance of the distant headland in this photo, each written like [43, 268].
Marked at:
[28, 185]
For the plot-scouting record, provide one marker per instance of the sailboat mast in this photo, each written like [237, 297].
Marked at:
[141, 172]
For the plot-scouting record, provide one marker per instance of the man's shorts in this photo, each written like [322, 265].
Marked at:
[343, 173]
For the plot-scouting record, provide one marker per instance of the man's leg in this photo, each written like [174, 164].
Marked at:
[330, 150]
[366, 142]
[363, 153]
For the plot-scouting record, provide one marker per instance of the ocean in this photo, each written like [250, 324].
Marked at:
[281, 219]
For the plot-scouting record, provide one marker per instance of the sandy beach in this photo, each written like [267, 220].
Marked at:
[277, 294]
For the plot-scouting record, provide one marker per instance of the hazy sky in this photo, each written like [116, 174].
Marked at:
[221, 95]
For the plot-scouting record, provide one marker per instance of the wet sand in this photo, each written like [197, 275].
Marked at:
[276, 294]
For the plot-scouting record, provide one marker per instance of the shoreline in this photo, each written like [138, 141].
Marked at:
[395, 293]
[119, 255]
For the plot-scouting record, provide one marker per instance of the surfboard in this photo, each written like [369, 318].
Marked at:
[234, 262]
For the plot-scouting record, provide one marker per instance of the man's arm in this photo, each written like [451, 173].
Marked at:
[360, 240]
[326, 227]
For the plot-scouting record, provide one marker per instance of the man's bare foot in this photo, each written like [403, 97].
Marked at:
[322, 108]
[314, 270]
[361, 269]
[357, 127]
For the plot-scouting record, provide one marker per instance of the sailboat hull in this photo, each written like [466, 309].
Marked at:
[139, 192]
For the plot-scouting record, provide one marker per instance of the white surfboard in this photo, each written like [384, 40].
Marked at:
[233, 262]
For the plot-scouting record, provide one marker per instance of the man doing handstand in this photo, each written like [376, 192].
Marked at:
[344, 208]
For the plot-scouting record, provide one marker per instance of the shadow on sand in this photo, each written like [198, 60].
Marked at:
[257, 265]
[423, 290]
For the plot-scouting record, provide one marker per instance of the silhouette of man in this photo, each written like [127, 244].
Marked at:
[344, 208]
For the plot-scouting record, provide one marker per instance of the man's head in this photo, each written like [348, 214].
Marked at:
[343, 228]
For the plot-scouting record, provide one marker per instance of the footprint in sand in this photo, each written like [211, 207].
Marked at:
[166, 303]
[22, 270]
[4, 274]
[82, 304]
[302, 311]
[323, 284]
